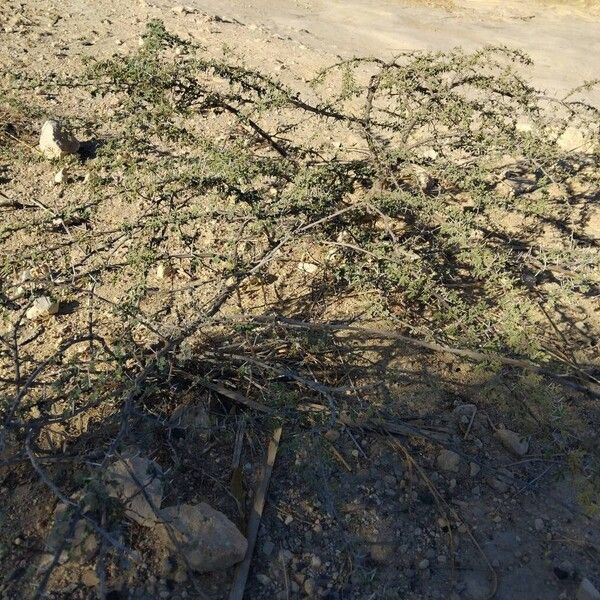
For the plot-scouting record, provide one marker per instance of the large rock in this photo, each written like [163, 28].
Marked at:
[56, 140]
[513, 442]
[208, 540]
[137, 483]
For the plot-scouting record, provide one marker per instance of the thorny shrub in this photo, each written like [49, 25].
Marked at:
[436, 184]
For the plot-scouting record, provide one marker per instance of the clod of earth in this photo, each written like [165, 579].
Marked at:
[194, 417]
[89, 578]
[56, 140]
[208, 540]
[164, 270]
[136, 482]
[448, 461]
[513, 442]
[42, 308]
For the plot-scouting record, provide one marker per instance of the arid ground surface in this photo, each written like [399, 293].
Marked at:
[364, 501]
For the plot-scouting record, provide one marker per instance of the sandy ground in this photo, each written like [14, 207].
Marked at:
[561, 37]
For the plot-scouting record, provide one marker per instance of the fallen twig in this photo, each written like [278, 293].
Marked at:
[241, 574]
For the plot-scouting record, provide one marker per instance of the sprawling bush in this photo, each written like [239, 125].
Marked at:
[438, 193]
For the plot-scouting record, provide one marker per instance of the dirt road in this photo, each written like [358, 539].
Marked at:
[562, 37]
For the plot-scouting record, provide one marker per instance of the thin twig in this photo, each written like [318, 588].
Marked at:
[241, 574]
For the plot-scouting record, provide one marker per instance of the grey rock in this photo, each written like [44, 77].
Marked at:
[137, 483]
[268, 547]
[464, 410]
[564, 570]
[56, 140]
[448, 460]
[206, 537]
[263, 579]
[477, 587]
[82, 544]
[502, 482]
[474, 469]
[512, 441]
[587, 591]
[192, 417]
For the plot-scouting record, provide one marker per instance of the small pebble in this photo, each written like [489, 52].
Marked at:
[587, 591]
[448, 460]
[263, 579]
[309, 587]
[60, 176]
[332, 435]
[268, 548]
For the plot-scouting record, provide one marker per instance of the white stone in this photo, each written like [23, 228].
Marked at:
[56, 140]
[574, 139]
[60, 176]
[183, 10]
[308, 267]
[42, 308]
[164, 270]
